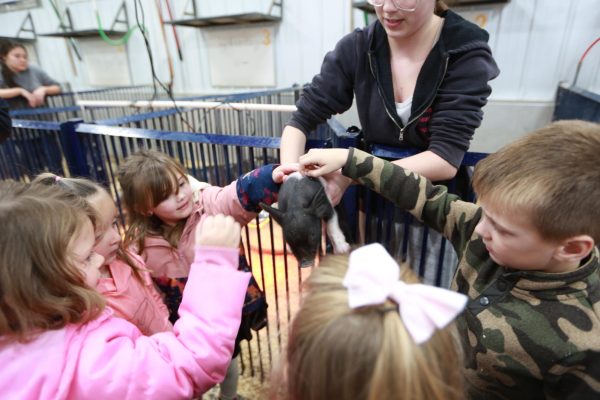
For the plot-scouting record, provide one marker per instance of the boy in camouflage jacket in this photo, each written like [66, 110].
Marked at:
[527, 257]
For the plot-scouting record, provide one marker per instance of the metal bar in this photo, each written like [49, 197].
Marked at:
[186, 104]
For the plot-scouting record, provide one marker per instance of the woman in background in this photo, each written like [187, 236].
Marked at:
[21, 84]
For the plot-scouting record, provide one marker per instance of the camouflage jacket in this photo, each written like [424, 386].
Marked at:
[526, 335]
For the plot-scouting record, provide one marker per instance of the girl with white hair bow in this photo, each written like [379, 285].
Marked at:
[364, 333]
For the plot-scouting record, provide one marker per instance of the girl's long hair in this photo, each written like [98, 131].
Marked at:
[86, 189]
[335, 352]
[40, 288]
[147, 178]
[7, 74]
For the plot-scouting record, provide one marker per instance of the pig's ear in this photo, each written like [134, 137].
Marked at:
[274, 212]
[320, 205]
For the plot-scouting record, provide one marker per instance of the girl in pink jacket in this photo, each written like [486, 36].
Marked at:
[57, 341]
[124, 281]
[164, 211]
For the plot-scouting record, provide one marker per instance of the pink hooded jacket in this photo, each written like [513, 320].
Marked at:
[138, 302]
[165, 261]
[109, 358]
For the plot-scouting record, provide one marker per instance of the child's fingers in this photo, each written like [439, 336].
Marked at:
[282, 172]
[318, 162]
[316, 171]
[310, 158]
[288, 168]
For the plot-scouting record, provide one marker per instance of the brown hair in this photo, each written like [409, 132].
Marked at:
[441, 7]
[147, 178]
[40, 288]
[335, 352]
[552, 176]
[7, 74]
[86, 189]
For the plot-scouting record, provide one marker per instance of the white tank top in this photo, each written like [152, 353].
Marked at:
[403, 109]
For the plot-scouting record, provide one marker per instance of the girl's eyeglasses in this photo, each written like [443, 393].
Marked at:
[403, 5]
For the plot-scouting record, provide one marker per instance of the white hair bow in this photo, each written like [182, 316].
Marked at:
[373, 277]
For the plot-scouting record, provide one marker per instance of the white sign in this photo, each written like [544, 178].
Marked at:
[105, 65]
[241, 57]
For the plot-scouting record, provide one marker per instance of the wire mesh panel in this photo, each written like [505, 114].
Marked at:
[233, 121]
[57, 114]
[33, 147]
[63, 106]
[62, 114]
[430, 255]
[226, 121]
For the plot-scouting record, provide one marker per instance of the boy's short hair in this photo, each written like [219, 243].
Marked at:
[552, 176]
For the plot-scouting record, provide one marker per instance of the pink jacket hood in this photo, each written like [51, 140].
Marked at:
[133, 299]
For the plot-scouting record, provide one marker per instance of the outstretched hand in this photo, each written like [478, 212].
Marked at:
[336, 185]
[219, 231]
[319, 162]
[327, 163]
[282, 172]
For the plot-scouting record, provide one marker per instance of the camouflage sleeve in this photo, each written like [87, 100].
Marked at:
[574, 377]
[433, 205]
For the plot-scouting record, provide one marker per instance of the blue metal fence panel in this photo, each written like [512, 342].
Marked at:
[400, 233]
[241, 122]
[227, 121]
[34, 147]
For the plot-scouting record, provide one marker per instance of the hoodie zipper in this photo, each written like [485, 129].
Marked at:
[382, 97]
[401, 136]
[402, 129]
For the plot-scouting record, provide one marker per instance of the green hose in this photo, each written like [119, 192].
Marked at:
[117, 42]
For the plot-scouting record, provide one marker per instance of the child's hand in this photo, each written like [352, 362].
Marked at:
[281, 173]
[336, 185]
[318, 162]
[219, 231]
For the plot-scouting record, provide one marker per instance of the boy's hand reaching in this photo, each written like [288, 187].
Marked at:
[318, 162]
[282, 172]
[218, 231]
[336, 185]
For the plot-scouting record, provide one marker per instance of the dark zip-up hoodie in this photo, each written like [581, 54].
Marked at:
[451, 89]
